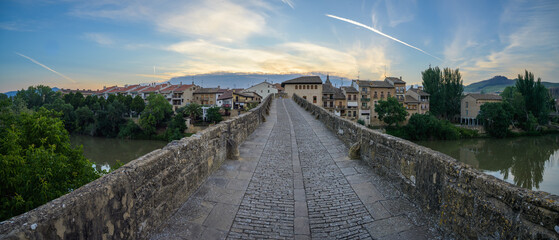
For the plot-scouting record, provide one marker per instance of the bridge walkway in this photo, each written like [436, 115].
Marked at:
[294, 180]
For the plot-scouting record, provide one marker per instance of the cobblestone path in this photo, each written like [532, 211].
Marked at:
[295, 181]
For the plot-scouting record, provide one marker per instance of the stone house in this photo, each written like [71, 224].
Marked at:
[306, 87]
[207, 96]
[333, 99]
[416, 101]
[263, 89]
[471, 104]
[399, 87]
[352, 103]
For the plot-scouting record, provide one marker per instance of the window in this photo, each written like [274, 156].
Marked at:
[268, 90]
[466, 107]
[388, 94]
[305, 97]
[313, 99]
[348, 97]
[296, 87]
[466, 112]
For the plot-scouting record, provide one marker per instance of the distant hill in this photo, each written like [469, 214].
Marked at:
[497, 84]
[13, 93]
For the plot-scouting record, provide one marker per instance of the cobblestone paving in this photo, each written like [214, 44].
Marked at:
[295, 181]
[267, 209]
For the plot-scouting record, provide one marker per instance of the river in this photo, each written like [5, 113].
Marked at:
[105, 152]
[528, 162]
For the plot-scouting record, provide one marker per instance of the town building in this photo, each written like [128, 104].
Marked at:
[399, 87]
[471, 104]
[306, 87]
[352, 103]
[333, 99]
[416, 101]
[179, 95]
[208, 96]
[263, 89]
[370, 93]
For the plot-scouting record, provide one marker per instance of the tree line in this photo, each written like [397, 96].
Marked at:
[525, 105]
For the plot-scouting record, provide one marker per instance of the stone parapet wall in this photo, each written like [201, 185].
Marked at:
[135, 199]
[466, 203]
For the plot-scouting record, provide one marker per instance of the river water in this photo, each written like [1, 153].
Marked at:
[528, 162]
[105, 152]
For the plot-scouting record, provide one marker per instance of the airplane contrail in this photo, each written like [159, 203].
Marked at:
[379, 32]
[50, 69]
[288, 2]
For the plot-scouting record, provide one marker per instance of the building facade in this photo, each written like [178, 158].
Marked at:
[471, 104]
[263, 89]
[307, 87]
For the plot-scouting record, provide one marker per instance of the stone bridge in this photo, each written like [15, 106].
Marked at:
[292, 178]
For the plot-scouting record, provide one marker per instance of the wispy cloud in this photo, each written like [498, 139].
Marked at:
[47, 68]
[99, 38]
[288, 2]
[219, 20]
[527, 40]
[381, 33]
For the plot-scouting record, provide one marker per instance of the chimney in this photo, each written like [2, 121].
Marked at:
[400, 77]
[104, 87]
[218, 87]
[420, 87]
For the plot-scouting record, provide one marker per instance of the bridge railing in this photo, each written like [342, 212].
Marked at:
[134, 200]
[465, 202]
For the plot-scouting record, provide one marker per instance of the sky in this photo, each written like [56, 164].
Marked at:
[91, 44]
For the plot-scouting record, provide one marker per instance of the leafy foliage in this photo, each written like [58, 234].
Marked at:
[193, 110]
[37, 162]
[214, 115]
[496, 118]
[426, 127]
[445, 89]
[391, 111]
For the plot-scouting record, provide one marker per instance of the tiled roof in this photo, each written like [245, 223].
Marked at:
[226, 95]
[485, 96]
[350, 89]
[419, 91]
[410, 99]
[106, 90]
[209, 90]
[303, 80]
[395, 80]
[375, 84]
[327, 88]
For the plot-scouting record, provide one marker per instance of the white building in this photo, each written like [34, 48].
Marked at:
[263, 89]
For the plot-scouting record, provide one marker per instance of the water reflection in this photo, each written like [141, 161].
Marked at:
[105, 152]
[529, 162]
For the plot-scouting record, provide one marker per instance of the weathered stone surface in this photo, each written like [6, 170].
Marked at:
[465, 202]
[132, 201]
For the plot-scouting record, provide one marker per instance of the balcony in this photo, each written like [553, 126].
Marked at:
[364, 107]
[365, 99]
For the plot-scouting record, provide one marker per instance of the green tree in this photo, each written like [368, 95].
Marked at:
[496, 118]
[214, 115]
[84, 118]
[446, 91]
[391, 111]
[157, 112]
[193, 110]
[176, 127]
[77, 100]
[536, 96]
[35, 97]
[137, 105]
[37, 162]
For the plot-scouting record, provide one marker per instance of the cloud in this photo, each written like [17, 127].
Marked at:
[528, 40]
[219, 20]
[379, 32]
[99, 38]
[45, 67]
[400, 11]
[289, 57]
